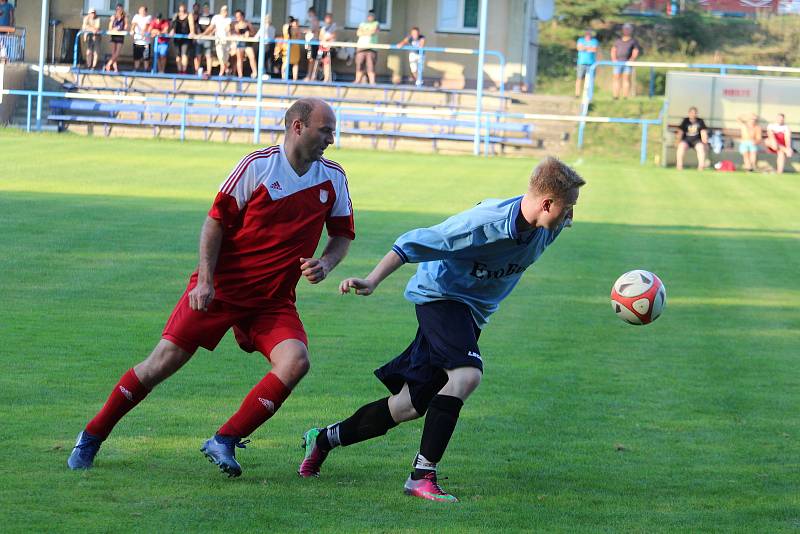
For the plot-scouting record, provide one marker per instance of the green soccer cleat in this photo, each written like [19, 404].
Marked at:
[314, 456]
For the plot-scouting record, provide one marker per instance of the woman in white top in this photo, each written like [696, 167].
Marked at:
[779, 140]
[220, 27]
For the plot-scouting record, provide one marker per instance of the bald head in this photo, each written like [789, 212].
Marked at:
[302, 109]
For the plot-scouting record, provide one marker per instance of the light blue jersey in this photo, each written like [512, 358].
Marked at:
[475, 257]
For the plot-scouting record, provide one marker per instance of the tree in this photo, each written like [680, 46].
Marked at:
[581, 13]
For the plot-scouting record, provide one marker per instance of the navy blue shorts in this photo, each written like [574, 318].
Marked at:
[447, 338]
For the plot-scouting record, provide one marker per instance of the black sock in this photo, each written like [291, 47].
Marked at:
[439, 425]
[369, 421]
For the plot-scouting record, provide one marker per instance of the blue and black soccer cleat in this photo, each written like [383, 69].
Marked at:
[221, 450]
[85, 450]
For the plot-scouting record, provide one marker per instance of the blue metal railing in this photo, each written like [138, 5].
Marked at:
[302, 42]
[588, 93]
[12, 45]
[489, 120]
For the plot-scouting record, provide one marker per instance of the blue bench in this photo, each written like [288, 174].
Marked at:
[64, 111]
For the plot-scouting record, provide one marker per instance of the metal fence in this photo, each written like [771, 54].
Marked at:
[12, 45]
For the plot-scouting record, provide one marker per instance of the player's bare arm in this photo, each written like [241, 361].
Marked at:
[366, 286]
[317, 269]
[210, 241]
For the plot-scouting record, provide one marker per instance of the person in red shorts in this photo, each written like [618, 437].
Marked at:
[258, 240]
[779, 141]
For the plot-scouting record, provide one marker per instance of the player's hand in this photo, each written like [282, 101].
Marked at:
[201, 296]
[315, 270]
[360, 286]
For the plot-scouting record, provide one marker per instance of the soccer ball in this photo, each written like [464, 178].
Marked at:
[638, 297]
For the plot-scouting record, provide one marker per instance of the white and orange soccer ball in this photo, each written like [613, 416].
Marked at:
[638, 297]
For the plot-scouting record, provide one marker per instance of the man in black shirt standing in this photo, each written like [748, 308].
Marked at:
[626, 48]
[692, 133]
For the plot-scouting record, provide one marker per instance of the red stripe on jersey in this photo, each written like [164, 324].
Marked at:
[332, 164]
[237, 173]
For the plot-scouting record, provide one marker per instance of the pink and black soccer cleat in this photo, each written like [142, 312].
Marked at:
[428, 488]
[314, 456]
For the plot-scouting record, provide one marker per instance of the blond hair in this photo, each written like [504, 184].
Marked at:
[553, 177]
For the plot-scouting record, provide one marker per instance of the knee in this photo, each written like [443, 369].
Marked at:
[462, 382]
[165, 359]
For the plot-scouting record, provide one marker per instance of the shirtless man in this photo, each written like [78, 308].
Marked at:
[750, 139]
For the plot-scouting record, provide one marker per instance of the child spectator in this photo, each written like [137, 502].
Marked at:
[751, 137]
[327, 35]
[414, 39]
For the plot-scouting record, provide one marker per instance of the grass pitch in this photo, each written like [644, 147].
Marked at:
[582, 423]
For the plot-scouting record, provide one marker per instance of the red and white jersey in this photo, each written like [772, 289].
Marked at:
[272, 217]
[781, 132]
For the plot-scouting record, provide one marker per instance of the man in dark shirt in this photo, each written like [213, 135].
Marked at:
[626, 48]
[692, 133]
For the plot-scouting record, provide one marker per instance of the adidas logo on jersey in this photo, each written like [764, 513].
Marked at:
[268, 404]
[126, 392]
[276, 186]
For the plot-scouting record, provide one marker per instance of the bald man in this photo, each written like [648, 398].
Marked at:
[258, 240]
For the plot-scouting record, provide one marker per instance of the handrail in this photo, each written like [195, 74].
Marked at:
[346, 44]
[487, 118]
[723, 68]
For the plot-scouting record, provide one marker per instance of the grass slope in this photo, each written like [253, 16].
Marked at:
[582, 423]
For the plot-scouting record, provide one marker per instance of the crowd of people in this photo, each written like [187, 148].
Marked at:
[201, 40]
[693, 133]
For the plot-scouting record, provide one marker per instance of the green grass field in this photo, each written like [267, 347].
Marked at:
[582, 423]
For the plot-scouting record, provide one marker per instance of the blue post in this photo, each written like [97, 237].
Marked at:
[183, 121]
[262, 38]
[28, 120]
[420, 66]
[40, 83]
[479, 93]
[643, 155]
[587, 98]
[652, 81]
[75, 49]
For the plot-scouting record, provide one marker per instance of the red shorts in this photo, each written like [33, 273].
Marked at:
[255, 328]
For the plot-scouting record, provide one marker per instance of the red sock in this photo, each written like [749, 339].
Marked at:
[259, 405]
[126, 394]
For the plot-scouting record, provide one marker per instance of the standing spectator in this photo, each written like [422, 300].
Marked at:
[367, 35]
[267, 30]
[587, 56]
[627, 48]
[117, 23]
[327, 35]
[182, 24]
[312, 50]
[414, 39]
[90, 29]
[220, 27]
[779, 140]
[290, 52]
[692, 133]
[159, 27]
[7, 13]
[140, 28]
[202, 47]
[751, 137]
[243, 28]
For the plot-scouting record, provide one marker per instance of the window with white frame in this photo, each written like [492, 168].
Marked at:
[251, 8]
[357, 12]
[458, 16]
[299, 9]
[104, 8]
